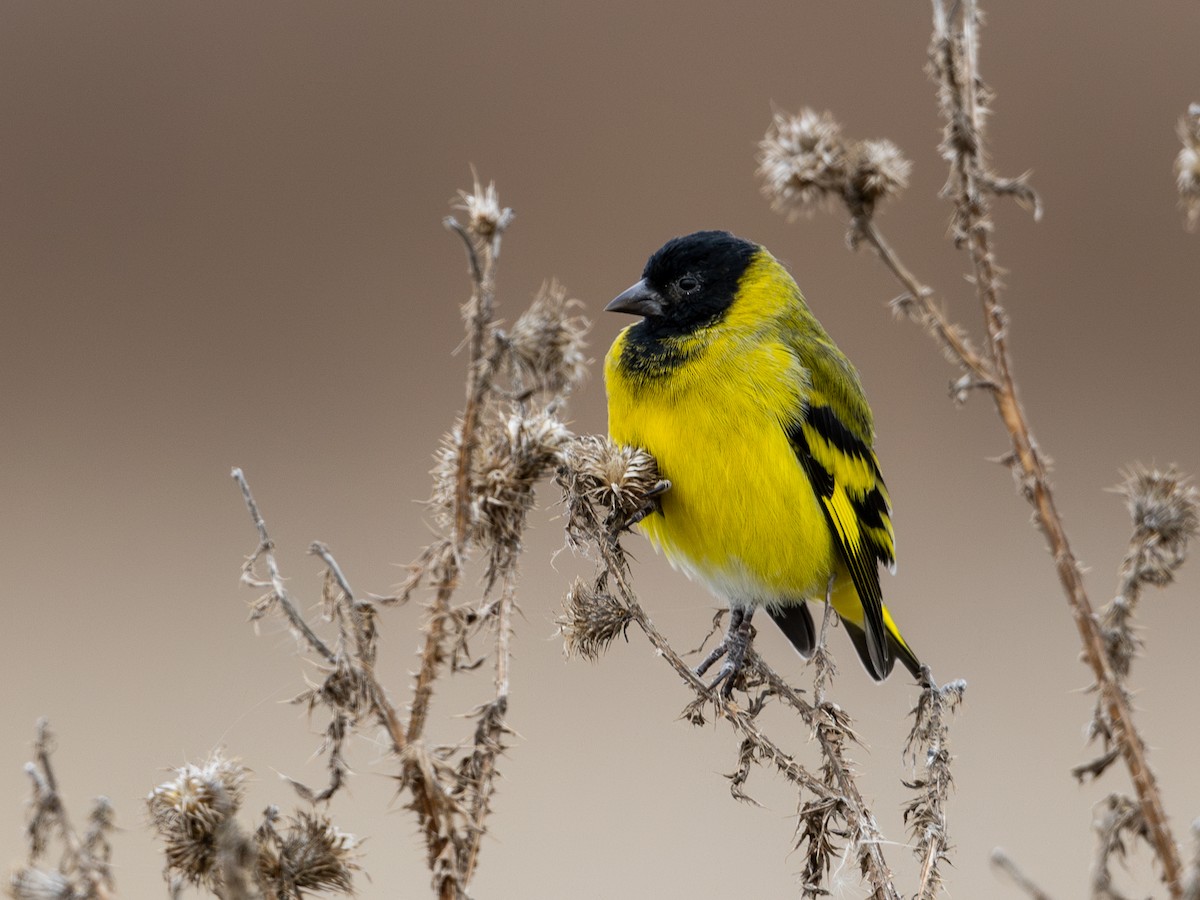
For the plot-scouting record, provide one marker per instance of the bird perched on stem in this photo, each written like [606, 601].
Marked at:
[760, 425]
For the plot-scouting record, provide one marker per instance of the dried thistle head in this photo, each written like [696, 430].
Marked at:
[802, 162]
[600, 475]
[189, 811]
[512, 457]
[805, 162]
[877, 171]
[517, 454]
[1187, 165]
[312, 854]
[486, 218]
[345, 689]
[591, 620]
[1164, 509]
[546, 343]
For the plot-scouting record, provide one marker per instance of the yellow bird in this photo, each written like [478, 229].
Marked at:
[760, 424]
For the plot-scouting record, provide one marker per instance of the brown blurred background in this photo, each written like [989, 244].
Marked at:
[222, 246]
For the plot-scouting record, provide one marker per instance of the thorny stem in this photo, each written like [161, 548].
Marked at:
[383, 707]
[483, 297]
[868, 837]
[432, 653]
[929, 313]
[481, 258]
[496, 724]
[973, 209]
[480, 308]
[266, 550]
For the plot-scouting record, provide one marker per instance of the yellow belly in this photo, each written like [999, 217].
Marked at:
[741, 515]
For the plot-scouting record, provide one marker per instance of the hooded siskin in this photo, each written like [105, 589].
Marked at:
[761, 426]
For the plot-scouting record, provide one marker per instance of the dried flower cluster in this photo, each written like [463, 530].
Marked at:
[309, 854]
[805, 164]
[606, 486]
[508, 437]
[486, 218]
[1187, 165]
[84, 869]
[592, 618]
[1164, 509]
[516, 455]
[195, 815]
[545, 346]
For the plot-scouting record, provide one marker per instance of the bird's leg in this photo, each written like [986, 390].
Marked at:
[653, 503]
[733, 647]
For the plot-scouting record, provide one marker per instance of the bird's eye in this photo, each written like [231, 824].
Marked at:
[688, 283]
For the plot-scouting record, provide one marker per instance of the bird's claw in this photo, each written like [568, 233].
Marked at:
[653, 503]
[734, 647]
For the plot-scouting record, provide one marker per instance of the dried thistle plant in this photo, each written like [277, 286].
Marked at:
[84, 869]
[507, 438]
[802, 166]
[195, 816]
[1187, 166]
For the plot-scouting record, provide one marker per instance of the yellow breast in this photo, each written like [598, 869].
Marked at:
[741, 515]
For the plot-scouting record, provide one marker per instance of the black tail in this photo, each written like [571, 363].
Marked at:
[897, 650]
[796, 622]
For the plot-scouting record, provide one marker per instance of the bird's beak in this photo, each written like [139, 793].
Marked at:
[639, 300]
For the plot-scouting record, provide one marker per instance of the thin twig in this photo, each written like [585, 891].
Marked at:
[384, 710]
[1005, 864]
[266, 550]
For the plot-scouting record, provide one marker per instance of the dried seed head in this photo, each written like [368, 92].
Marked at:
[604, 485]
[1164, 508]
[312, 854]
[546, 343]
[1187, 165]
[189, 810]
[878, 170]
[802, 162]
[591, 620]
[29, 883]
[485, 216]
[512, 457]
[345, 689]
[517, 456]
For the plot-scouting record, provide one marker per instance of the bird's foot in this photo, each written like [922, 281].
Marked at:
[653, 503]
[734, 647]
